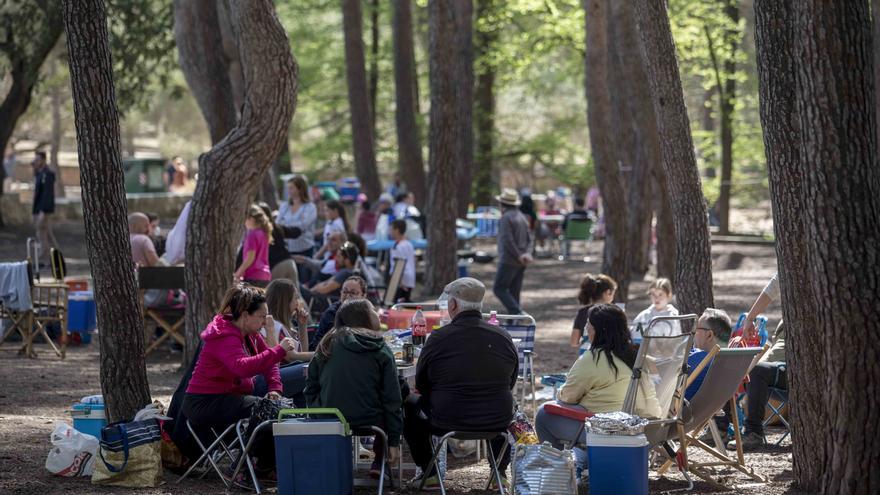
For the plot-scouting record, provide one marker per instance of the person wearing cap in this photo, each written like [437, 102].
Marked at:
[514, 246]
[464, 378]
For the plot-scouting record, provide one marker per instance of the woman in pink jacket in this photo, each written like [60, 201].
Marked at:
[233, 353]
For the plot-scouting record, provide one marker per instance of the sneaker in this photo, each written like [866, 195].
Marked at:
[750, 441]
[432, 483]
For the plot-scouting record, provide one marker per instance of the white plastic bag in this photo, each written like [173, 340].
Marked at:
[73, 453]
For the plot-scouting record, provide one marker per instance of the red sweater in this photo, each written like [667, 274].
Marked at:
[224, 367]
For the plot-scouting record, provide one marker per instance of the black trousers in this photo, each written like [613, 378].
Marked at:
[762, 377]
[417, 431]
[218, 411]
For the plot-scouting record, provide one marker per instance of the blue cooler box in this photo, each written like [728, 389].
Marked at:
[313, 455]
[89, 419]
[618, 464]
[82, 314]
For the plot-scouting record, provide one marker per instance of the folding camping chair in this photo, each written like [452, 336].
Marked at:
[169, 318]
[522, 328]
[212, 454]
[393, 285]
[781, 396]
[439, 445]
[577, 229]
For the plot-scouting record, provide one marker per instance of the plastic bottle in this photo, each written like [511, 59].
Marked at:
[419, 326]
[493, 318]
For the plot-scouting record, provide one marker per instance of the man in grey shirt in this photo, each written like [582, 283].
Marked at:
[514, 246]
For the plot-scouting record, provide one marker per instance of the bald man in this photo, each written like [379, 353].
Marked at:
[143, 253]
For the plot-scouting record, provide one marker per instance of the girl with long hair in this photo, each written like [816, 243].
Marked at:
[254, 268]
[336, 221]
[594, 289]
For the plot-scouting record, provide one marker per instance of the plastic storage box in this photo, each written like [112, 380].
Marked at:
[89, 419]
[313, 455]
[618, 464]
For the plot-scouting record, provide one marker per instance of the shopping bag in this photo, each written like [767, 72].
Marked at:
[130, 454]
[543, 470]
[73, 453]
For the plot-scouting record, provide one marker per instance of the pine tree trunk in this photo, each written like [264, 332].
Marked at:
[230, 172]
[693, 267]
[465, 58]
[875, 24]
[200, 48]
[362, 137]
[774, 47]
[636, 91]
[728, 99]
[602, 142]
[836, 122]
[374, 60]
[665, 226]
[409, 143]
[123, 371]
[444, 17]
[485, 38]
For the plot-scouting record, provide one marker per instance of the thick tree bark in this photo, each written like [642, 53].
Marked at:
[230, 172]
[693, 266]
[775, 52]
[409, 143]
[875, 18]
[123, 371]
[632, 83]
[200, 48]
[465, 58]
[359, 100]
[665, 226]
[615, 261]
[485, 38]
[835, 103]
[444, 18]
[727, 94]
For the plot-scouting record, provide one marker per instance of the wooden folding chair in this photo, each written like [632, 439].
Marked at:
[171, 318]
[48, 305]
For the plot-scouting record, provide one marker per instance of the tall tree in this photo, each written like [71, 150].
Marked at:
[615, 261]
[362, 136]
[374, 60]
[485, 43]
[230, 172]
[875, 17]
[123, 371]
[28, 31]
[693, 266]
[409, 143]
[465, 57]
[775, 54]
[835, 116]
[665, 226]
[444, 18]
[725, 81]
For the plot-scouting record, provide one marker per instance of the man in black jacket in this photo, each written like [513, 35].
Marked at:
[464, 378]
[44, 203]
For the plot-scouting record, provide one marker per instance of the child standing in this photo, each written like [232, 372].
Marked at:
[254, 268]
[403, 252]
[661, 295]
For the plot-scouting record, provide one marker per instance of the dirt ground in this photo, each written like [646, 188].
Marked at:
[36, 393]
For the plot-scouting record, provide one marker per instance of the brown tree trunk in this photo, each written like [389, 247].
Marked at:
[728, 100]
[123, 371]
[635, 90]
[836, 121]
[374, 60]
[615, 261]
[875, 18]
[409, 143]
[444, 18]
[231, 171]
[775, 54]
[693, 266]
[465, 58]
[485, 38]
[359, 100]
[665, 226]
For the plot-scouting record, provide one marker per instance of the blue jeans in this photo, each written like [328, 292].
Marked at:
[508, 285]
[293, 381]
[558, 429]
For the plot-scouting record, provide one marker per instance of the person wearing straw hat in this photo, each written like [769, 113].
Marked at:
[514, 246]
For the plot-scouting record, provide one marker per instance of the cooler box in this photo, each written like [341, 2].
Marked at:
[313, 455]
[89, 419]
[618, 463]
[81, 314]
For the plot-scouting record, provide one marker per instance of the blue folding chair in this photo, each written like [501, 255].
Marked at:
[487, 227]
[522, 329]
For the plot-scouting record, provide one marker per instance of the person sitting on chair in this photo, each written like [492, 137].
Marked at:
[465, 375]
[354, 371]
[219, 392]
[321, 269]
[598, 380]
[321, 294]
[578, 213]
[354, 287]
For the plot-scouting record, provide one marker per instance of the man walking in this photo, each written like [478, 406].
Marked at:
[44, 203]
[514, 246]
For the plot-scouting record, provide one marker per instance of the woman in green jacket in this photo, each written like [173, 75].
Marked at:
[353, 370]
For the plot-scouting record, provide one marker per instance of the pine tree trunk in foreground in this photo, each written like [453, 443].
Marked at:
[409, 143]
[465, 44]
[362, 137]
[693, 266]
[123, 371]
[602, 142]
[444, 144]
[834, 112]
[485, 38]
[230, 172]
